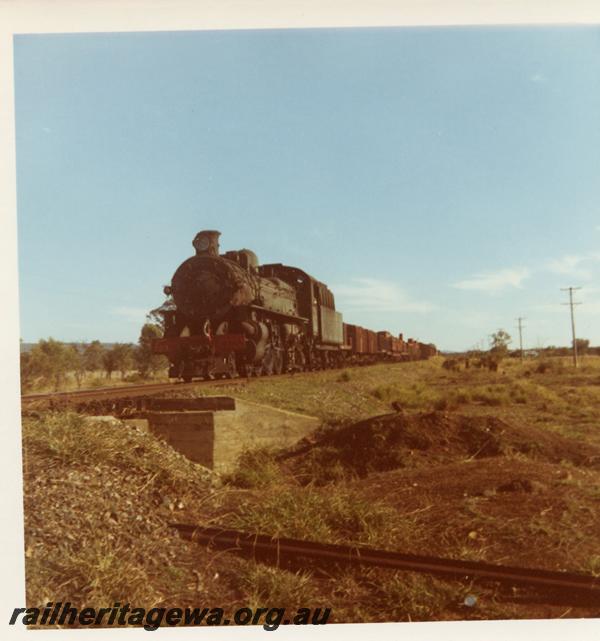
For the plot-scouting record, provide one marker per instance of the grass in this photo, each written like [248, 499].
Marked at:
[526, 516]
[563, 398]
[262, 585]
[99, 497]
[416, 597]
[322, 466]
[68, 438]
[330, 395]
[417, 395]
[255, 468]
[336, 516]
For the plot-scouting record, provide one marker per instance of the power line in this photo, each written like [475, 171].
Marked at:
[571, 304]
[520, 321]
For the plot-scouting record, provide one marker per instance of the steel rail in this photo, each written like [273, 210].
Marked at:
[105, 391]
[121, 391]
[575, 588]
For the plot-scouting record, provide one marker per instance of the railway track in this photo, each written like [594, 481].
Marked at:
[122, 391]
[146, 389]
[96, 393]
[550, 586]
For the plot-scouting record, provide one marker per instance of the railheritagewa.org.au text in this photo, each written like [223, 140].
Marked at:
[63, 614]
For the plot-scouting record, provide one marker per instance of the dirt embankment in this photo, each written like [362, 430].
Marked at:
[403, 440]
[469, 486]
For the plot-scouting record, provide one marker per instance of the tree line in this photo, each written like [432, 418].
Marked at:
[50, 362]
[499, 343]
[583, 348]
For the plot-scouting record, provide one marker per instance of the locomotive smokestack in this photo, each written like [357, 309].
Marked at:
[206, 243]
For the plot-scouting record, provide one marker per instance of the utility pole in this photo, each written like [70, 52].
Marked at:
[520, 320]
[571, 304]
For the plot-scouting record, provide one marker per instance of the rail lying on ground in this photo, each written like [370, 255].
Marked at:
[574, 589]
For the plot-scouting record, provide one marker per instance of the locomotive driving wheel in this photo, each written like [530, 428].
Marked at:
[267, 362]
[294, 360]
[278, 360]
[248, 370]
[272, 361]
[184, 372]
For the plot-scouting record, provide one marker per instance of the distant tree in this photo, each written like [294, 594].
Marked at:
[147, 362]
[109, 362]
[499, 342]
[50, 360]
[93, 356]
[118, 358]
[75, 362]
[156, 316]
[27, 376]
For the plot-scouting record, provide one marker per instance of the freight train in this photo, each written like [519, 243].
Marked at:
[228, 316]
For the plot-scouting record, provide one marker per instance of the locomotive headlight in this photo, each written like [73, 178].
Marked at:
[167, 290]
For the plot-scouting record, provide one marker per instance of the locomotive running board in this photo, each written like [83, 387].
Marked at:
[280, 314]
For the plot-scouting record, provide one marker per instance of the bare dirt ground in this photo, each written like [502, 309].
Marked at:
[502, 467]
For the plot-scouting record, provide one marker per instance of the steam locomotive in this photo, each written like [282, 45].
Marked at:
[228, 316]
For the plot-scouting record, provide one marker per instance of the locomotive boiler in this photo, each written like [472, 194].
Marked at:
[230, 316]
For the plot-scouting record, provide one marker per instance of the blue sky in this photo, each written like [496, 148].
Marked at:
[442, 181]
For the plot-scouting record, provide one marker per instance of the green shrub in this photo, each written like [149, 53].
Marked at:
[321, 466]
[550, 367]
[416, 396]
[95, 382]
[451, 364]
[255, 468]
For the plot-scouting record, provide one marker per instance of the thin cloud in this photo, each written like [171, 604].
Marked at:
[371, 294]
[591, 308]
[493, 282]
[538, 78]
[131, 314]
[571, 265]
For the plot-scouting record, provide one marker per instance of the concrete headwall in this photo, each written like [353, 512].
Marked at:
[216, 439]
